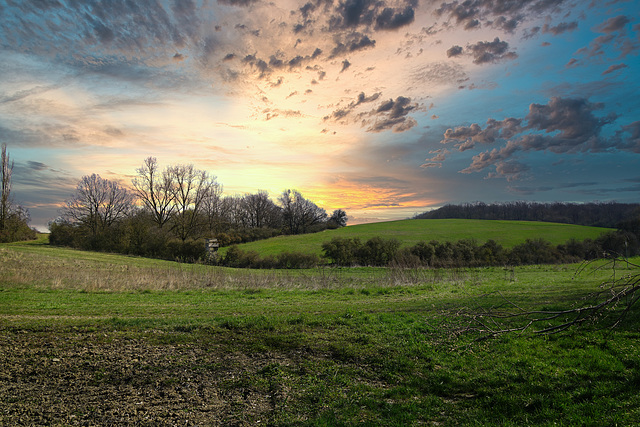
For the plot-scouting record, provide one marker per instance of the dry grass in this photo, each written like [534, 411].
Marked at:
[109, 274]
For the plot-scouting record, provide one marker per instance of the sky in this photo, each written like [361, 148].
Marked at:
[383, 108]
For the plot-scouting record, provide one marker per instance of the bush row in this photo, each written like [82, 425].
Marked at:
[468, 253]
[235, 257]
[150, 243]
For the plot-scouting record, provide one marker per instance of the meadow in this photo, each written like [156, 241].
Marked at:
[92, 338]
[411, 231]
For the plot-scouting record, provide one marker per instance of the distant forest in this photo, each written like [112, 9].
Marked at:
[610, 215]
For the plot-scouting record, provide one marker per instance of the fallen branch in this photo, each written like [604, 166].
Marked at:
[616, 297]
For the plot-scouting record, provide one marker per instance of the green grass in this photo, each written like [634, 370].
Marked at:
[410, 232]
[206, 345]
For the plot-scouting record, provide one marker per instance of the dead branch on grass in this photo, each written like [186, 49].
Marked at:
[607, 308]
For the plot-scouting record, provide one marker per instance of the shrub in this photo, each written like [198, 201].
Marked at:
[16, 227]
[378, 251]
[424, 251]
[290, 260]
[238, 258]
[186, 251]
[491, 253]
[342, 251]
[534, 251]
[64, 234]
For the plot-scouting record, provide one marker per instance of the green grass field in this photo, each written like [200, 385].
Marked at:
[410, 232]
[90, 338]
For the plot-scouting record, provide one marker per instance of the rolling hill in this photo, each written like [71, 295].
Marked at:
[409, 232]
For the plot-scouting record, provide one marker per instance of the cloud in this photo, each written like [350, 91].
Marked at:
[628, 137]
[437, 159]
[488, 52]
[355, 43]
[391, 19]
[529, 190]
[238, 3]
[272, 113]
[390, 115]
[341, 113]
[37, 166]
[573, 62]
[613, 68]
[454, 51]
[474, 14]
[368, 14]
[393, 115]
[614, 24]
[345, 65]
[563, 125]
[614, 36]
[562, 27]
[484, 52]
[441, 73]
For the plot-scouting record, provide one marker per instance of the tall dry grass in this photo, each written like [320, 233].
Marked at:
[52, 272]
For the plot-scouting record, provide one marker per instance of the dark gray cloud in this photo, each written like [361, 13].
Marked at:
[505, 24]
[563, 125]
[454, 51]
[391, 19]
[560, 28]
[345, 65]
[504, 15]
[389, 115]
[489, 52]
[393, 114]
[368, 14]
[484, 52]
[355, 42]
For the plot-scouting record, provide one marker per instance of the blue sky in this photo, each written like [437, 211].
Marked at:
[382, 108]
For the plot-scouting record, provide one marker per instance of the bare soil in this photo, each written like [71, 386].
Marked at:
[112, 378]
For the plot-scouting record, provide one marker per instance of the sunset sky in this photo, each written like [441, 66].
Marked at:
[382, 108]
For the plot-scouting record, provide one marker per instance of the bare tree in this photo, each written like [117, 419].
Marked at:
[190, 189]
[338, 218]
[300, 214]
[155, 190]
[214, 208]
[98, 203]
[5, 201]
[260, 211]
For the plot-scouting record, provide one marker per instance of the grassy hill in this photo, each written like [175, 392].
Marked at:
[412, 231]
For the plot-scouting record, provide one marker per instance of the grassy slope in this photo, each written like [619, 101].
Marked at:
[410, 232]
[206, 345]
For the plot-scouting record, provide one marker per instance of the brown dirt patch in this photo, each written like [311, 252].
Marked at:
[106, 378]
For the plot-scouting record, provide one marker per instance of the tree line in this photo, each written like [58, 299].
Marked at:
[167, 212]
[609, 214]
[14, 219]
